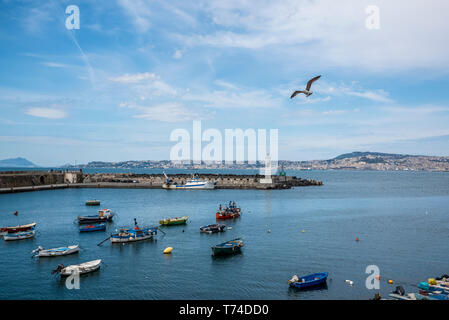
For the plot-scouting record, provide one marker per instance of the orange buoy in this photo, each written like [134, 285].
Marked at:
[356, 239]
[378, 277]
[390, 281]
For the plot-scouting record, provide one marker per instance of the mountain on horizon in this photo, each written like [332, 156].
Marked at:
[356, 154]
[17, 163]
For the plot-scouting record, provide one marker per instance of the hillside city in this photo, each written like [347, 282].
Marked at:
[350, 161]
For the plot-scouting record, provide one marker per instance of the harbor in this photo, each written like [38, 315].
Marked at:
[297, 231]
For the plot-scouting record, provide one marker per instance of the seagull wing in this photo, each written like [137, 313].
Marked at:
[296, 93]
[309, 84]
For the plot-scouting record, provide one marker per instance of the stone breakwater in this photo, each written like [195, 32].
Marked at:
[223, 181]
[43, 180]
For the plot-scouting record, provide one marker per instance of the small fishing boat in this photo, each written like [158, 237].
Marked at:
[25, 227]
[133, 235]
[92, 202]
[104, 215]
[225, 215]
[55, 252]
[93, 227]
[82, 268]
[213, 228]
[174, 221]
[19, 235]
[311, 280]
[228, 247]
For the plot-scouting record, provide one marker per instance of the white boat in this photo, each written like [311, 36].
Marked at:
[19, 235]
[62, 251]
[191, 184]
[82, 268]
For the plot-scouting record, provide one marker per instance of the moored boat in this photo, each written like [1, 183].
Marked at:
[213, 228]
[104, 215]
[191, 184]
[82, 268]
[311, 280]
[92, 202]
[174, 221]
[55, 252]
[19, 235]
[230, 212]
[93, 227]
[228, 247]
[133, 235]
[25, 227]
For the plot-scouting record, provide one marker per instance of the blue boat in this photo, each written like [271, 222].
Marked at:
[132, 235]
[93, 227]
[433, 288]
[312, 280]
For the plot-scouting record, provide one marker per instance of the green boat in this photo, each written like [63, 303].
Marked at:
[228, 247]
[92, 202]
[174, 221]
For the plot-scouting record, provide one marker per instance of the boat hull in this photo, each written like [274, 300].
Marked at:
[213, 228]
[92, 203]
[95, 219]
[227, 248]
[174, 221]
[313, 280]
[57, 252]
[83, 268]
[228, 216]
[19, 236]
[200, 186]
[101, 227]
[25, 227]
[129, 239]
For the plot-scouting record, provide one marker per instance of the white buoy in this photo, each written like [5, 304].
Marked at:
[229, 228]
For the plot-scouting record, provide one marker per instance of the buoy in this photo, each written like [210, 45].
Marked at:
[378, 277]
[356, 239]
[303, 231]
[350, 282]
[229, 228]
[390, 281]
[269, 231]
[168, 250]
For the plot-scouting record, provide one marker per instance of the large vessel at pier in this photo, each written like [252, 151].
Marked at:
[193, 183]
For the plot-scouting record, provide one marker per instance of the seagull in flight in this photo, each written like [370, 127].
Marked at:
[307, 92]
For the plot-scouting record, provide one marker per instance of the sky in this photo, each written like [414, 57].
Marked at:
[134, 71]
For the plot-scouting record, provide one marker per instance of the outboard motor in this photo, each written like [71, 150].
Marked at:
[399, 290]
[58, 268]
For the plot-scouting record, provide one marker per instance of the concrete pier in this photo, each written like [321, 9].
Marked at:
[24, 181]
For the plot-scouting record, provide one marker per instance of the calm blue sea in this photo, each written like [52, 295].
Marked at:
[401, 219]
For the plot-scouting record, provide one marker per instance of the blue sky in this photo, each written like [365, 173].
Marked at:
[136, 70]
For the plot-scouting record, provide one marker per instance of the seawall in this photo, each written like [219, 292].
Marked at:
[42, 180]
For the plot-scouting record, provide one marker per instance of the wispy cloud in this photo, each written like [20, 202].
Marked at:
[139, 13]
[133, 78]
[167, 112]
[335, 29]
[48, 113]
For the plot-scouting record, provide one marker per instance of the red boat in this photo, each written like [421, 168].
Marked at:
[25, 227]
[225, 215]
